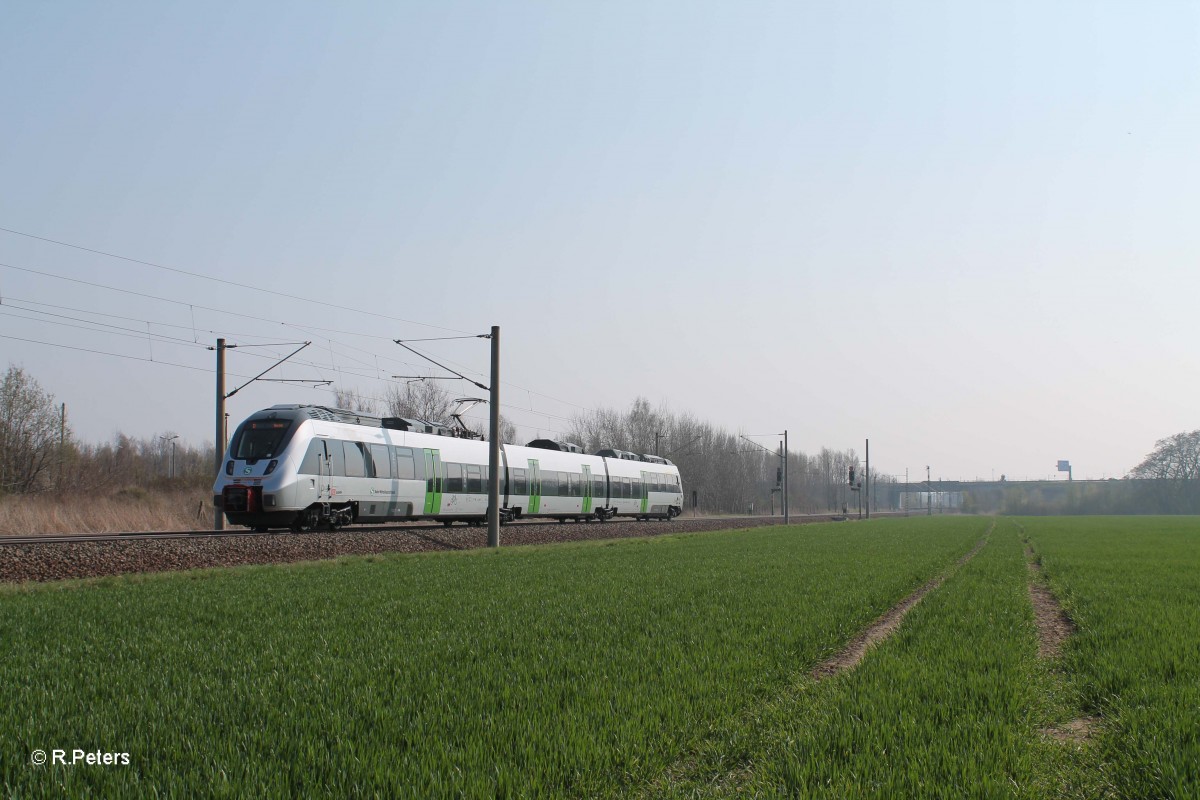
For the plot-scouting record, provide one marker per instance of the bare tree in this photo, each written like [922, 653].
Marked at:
[424, 400]
[725, 472]
[1174, 458]
[29, 432]
[353, 400]
[1173, 474]
[508, 431]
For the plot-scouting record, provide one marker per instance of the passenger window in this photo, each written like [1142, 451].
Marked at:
[520, 486]
[454, 478]
[313, 459]
[383, 464]
[474, 480]
[356, 466]
[337, 457]
[406, 467]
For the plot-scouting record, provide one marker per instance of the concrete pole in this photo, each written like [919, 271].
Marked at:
[494, 446]
[867, 481]
[219, 436]
[786, 508]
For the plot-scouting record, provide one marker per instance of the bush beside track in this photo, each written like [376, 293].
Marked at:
[59, 561]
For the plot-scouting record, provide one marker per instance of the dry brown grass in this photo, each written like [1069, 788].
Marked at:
[133, 509]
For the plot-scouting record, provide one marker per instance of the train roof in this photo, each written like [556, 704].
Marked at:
[629, 455]
[326, 414]
[299, 412]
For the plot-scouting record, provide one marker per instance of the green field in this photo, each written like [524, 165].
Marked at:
[677, 666]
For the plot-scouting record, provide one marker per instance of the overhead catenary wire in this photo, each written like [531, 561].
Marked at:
[225, 281]
[335, 361]
[306, 329]
[130, 333]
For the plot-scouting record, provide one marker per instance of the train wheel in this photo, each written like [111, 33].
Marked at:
[306, 521]
[261, 529]
[447, 522]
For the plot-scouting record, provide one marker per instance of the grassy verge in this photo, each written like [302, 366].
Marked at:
[130, 509]
[1132, 585]
[568, 670]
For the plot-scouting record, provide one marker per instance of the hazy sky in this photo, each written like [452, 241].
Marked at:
[966, 231]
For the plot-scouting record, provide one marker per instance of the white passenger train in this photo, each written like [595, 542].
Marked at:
[302, 467]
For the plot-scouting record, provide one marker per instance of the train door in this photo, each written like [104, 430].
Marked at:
[503, 478]
[645, 498]
[587, 489]
[324, 473]
[535, 487]
[606, 499]
[312, 483]
[433, 481]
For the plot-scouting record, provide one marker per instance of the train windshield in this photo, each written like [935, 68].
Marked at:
[261, 438]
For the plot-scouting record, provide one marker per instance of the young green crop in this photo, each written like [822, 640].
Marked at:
[569, 670]
[1132, 585]
[951, 706]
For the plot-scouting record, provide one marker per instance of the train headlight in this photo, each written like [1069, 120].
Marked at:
[271, 467]
[228, 467]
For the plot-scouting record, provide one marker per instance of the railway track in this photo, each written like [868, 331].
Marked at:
[403, 528]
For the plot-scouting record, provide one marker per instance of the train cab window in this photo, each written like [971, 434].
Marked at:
[261, 438]
[382, 461]
[520, 483]
[405, 467]
[314, 458]
[454, 478]
[355, 465]
[474, 479]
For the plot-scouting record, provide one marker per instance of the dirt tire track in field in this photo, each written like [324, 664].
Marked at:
[848, 658]
[1054, 627]
[886, 625]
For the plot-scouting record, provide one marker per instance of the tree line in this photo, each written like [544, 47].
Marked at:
[728, 472]
[723, 471]
[42, 453]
